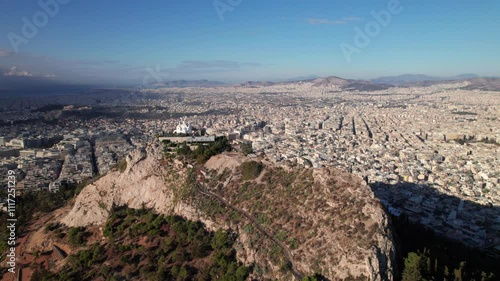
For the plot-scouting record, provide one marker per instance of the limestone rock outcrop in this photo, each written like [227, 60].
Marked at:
[151, 181]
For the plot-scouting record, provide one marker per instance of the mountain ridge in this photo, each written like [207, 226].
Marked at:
[412, 78]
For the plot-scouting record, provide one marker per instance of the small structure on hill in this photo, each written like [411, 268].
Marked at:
[183, 127]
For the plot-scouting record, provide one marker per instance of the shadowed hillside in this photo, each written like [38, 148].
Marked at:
[456, 236]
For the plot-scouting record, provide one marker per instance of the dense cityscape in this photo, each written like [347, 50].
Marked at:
[427, 144]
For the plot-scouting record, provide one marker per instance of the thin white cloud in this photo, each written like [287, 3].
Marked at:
[352, 19]
[93, 62]
[13, 71]
[345, 20]
[324, 21]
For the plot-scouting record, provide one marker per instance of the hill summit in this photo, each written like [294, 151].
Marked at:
[289, 222]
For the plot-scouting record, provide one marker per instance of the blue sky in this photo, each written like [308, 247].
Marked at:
[115, 41]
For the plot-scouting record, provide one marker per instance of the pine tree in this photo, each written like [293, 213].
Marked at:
[412, 271]
[446, 272]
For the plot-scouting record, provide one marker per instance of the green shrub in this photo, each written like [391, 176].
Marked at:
[122, 165]
[251, 170]
[77, 236]
[246, 149]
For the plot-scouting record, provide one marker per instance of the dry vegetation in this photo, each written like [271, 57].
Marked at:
[325, 218]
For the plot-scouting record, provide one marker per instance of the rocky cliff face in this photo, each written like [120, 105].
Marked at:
[320, 221]
[146, 182]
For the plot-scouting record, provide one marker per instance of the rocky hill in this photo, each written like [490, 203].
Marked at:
[290, 222]
[349, 84]
[408, 79]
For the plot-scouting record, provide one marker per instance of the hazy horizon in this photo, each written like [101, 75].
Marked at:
[125, 44]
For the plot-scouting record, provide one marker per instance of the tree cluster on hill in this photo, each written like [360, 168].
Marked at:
[77, 236]
[246, 148]
[29, 204]
[428, 256]
[203, 152]
[147, 246]
[422, 266]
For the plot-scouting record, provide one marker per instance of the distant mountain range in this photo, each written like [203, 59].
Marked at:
[418, 80]
[413, 78]
[40, 86]
[189, 83]
[349, 84]
[485, 84]
[382, 83]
